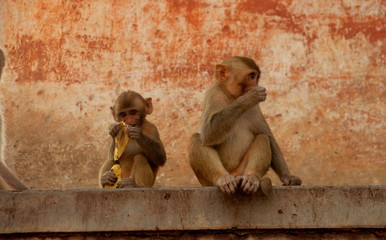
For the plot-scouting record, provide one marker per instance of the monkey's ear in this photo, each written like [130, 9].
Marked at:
[113, 112]
[222, 72]
[149, 105]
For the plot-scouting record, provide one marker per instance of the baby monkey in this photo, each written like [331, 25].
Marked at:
[144, 153]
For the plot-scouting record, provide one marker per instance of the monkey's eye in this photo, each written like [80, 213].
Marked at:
[252, 76]
[122, 114]
[133, 112]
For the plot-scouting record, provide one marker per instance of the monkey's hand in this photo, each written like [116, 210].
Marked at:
[135, 133]
[257, 94]
[114, 129]
[126, 183]
[108, 178]
[227, 184]
[248, 183]
[291, 180]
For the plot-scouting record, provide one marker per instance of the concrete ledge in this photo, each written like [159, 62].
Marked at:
[181, 209]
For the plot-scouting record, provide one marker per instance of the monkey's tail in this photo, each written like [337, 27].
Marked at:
[11, 179]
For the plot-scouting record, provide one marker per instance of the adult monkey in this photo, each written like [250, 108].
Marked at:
[144, 152]
[235, 146]
[7, 179]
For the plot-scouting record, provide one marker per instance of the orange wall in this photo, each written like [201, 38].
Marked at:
[322, 62]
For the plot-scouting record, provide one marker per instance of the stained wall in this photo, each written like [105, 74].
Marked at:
[322, 62]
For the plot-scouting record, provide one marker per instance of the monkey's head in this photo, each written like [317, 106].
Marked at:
[131, 108]
[238, 74]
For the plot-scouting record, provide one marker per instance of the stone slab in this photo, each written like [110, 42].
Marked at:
[180, 209]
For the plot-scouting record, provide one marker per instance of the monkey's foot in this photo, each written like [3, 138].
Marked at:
[127, 183]
[266, 186]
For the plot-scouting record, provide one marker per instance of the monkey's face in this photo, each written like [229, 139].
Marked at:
[131, 108]
[130, 116]
[251, 79]
[242, 81]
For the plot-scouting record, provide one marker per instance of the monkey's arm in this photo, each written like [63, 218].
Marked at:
[106, 177]
[153, 150]
[152, 146]
[218, 124]
[108, 163]
[278, 163]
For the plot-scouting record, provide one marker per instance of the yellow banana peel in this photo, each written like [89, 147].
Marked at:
[121, 141]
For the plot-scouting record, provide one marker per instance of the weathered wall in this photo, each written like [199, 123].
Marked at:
[323, 63]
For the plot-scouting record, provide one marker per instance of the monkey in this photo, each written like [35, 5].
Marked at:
[145, 151]
[8, 180]
[234, 146]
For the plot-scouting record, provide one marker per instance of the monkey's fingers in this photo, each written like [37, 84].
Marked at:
[109, 181]
[285, 181]
[262, 89]
[113, 178]
[135, 135]
[232, 187]
[239, 180]
[247, 186]
[252, 189]
[114, 129]
[223, 188]
[134, 129]
[295, 181]
[262, 96]
[113, 133]
[228, 188]
[243, 181]
[235, 184]
[255, 188]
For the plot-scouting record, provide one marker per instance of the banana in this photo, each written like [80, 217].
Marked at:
[116, 169]
[121, 141]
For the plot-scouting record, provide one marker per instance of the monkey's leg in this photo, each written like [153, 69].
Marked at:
[257, 161]
[142, 173]
[205, 162]
[258, 157]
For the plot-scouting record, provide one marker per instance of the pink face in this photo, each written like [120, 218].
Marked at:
[130, 116]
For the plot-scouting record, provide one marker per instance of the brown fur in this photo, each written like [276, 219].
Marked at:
[143, 156]
[235, 145]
